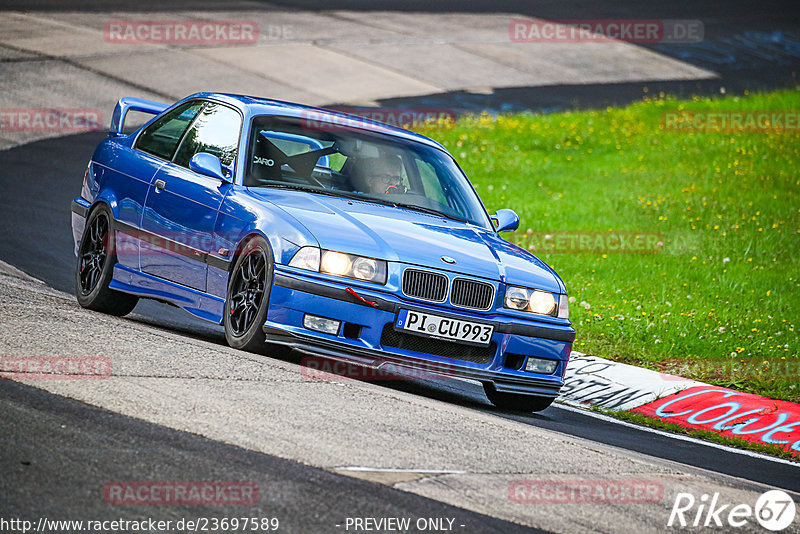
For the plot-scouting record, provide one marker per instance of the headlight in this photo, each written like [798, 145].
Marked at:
[517, 298]
[542, 302]
[340, 264]
[306, 258]
[365, 268]
[335, 263]
[536, 301]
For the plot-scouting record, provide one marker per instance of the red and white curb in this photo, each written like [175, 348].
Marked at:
[590, 380]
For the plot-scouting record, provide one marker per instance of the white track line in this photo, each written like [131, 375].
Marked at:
[681, 437]
[396, 470]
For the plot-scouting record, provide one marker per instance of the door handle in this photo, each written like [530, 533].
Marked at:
[160, 184]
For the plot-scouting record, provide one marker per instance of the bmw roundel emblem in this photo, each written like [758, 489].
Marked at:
[449, 260]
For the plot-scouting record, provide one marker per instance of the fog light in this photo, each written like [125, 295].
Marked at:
[538, 365]
[321, 324]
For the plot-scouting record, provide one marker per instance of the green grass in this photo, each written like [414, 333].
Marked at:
[723, 288]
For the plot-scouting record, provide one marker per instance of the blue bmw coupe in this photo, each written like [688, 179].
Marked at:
[340, 237]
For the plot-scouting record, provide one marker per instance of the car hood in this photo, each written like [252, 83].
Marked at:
[402, 235]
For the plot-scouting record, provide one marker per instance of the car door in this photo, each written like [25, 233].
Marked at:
[130, 172]
[182, 206]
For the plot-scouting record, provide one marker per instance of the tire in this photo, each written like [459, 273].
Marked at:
[247, 299]
[516, 402]
[95, 267]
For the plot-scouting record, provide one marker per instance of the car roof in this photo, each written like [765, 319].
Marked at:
[265, 106]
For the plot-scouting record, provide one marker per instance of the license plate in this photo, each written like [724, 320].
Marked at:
[444, 327]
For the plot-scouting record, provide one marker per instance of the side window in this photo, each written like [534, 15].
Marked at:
[215, 131]
[161, 138]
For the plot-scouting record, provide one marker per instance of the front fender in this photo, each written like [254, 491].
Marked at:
[243, 215]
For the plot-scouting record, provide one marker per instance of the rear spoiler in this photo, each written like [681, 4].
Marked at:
[131, 103]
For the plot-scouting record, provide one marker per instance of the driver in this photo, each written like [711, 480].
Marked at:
[385, 176]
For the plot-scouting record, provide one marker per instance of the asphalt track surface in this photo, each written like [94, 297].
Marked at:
[79, 448]
[74, 441]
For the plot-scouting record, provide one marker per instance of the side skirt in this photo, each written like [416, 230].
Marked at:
[199, 304]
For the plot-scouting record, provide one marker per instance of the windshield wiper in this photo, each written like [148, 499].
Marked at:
[305, 188]
[365, 198]
[332, 192]
[429, 211]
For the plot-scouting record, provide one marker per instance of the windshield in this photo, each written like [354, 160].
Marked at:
[333, 160]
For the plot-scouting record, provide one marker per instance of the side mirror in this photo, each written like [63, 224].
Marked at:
[506, 220]
[208, 165]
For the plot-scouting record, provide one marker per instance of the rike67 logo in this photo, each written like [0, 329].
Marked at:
[774, 510]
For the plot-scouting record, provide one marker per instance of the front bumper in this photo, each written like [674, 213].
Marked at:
[364, 342]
